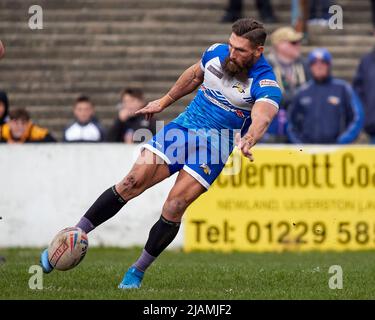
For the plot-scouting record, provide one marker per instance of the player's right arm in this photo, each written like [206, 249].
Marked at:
[189, 80]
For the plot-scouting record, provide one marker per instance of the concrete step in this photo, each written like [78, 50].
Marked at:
[105, 27]
[147, 4]
[117, 64]
[104, 86]
[159, 40]
[118, 5]
[66, 99]
[151, 52]
[160, 14]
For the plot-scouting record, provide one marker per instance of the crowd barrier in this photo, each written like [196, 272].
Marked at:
[289, 198]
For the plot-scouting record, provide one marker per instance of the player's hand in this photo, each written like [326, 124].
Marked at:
[245, 144]
[151, 108]
[2, 50]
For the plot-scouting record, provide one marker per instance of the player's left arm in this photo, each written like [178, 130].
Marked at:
[267, 96]
[261, 116]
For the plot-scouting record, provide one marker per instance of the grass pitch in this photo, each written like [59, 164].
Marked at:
[197, 275]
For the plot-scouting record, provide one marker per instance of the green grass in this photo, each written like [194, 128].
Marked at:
[197, 275]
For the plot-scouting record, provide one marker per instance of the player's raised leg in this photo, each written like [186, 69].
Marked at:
[148, 170]
[183, 193]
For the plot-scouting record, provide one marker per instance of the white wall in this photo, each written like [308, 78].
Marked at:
[44, 188]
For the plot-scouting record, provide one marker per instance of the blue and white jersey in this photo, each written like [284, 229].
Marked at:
[223, 102]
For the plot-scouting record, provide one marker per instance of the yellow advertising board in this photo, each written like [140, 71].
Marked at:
[315, 198]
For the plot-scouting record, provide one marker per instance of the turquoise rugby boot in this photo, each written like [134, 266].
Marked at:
[44, 263]
[132, 279]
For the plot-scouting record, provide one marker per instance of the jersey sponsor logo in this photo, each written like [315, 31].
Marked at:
[268, 83]
[240, 88]
[216, 72]
[239, 113]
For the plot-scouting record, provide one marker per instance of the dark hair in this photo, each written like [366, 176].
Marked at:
[134, 92]
[19, 114]
[83, 98]
[250, 29]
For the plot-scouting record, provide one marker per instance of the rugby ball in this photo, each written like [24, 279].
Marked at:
[68, 248]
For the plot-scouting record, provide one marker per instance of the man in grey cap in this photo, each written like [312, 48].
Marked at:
[291, 72]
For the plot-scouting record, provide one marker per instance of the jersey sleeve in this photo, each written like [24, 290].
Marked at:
[210, 53]
[266, 88]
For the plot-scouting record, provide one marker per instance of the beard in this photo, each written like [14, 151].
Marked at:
[233, 69]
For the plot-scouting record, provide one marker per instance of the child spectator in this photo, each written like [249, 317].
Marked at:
[126, 122]
[85, 127]
[20, 129]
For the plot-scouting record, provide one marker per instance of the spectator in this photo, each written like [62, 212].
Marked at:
[363, 84]
[291, 72]
[234, 11]
[319, 12]
[20, 129]
[300, 14]
[85, 127]
[126, 122]
[325, 110]
[4, 107]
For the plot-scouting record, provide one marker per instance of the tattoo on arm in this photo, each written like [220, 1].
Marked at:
[191, 79]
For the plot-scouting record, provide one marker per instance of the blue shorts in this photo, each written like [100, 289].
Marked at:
[198, 153]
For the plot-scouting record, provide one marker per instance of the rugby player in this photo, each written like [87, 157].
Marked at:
[237, 93]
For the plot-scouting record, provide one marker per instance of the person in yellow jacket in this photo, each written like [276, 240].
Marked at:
[20, 129]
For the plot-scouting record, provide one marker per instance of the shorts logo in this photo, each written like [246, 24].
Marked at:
[268, 83]
[216, 72]
[206, 168]
[239, 87]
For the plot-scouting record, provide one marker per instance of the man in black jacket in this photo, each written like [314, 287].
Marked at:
[363, 84]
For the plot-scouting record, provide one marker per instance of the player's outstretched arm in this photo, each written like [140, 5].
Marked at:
[189, 80]
[261, 116]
